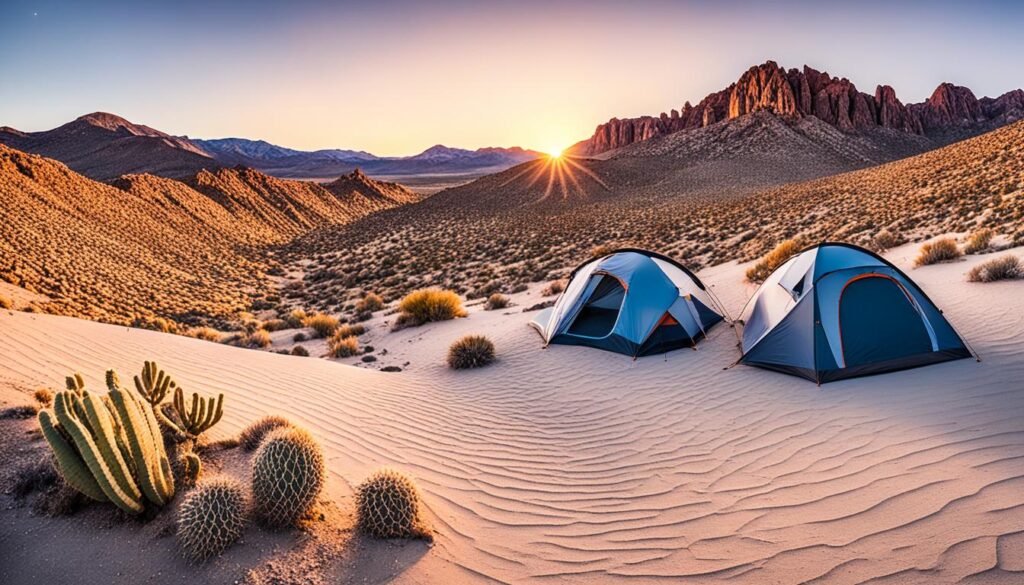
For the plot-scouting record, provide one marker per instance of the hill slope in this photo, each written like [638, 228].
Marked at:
[104, 146]
[152, 246]
[499, 230]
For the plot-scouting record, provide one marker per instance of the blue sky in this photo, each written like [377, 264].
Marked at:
[396, 77]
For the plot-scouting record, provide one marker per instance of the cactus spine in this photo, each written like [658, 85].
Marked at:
[110, 447]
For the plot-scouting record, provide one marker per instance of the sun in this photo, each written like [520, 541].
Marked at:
[555, 152]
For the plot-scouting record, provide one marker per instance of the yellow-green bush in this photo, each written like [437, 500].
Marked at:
[772, 260]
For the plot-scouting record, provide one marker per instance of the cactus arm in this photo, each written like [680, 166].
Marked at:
[105, 437]
[140, 440]
[65, 407]
[164, 481]
[69, 463]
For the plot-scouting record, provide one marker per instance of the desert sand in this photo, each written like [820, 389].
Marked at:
[573, 465]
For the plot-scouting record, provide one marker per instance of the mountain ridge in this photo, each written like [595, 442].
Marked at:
[951, 109]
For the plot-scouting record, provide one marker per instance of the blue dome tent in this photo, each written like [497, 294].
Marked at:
[633, 302]
[838, 311]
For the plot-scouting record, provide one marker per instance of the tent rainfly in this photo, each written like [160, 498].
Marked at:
[838, 311]
[633, 302]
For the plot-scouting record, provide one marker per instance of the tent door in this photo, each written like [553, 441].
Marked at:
[599, 314]
[669, 334]
[878, 322]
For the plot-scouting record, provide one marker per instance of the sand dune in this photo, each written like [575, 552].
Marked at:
[580, 466]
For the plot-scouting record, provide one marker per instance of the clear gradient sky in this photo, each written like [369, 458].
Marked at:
[395, 77]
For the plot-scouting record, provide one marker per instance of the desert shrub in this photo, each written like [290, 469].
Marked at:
[251, 437]
[287, 476]
[295, 318]
[322, 325]
[943, 250]
[342, 347]
[204, 333]
[772, 260]
[885, 240]
[156, 324]
[388, 506]
[369, 303]
[275, 325]
[602, 250]
[258, 338]
[299, 337]
[300, 351]
[6, 303]
[979, 241]
[1003, 268]
[496, 301]
[350, 330]
[555, 287]
[35, 475]
[472, 351]
[521, 287]
[43, 396]
[211, 518]
[429, 304]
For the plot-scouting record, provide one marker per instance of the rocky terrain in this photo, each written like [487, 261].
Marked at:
[535, 222]
[951, 112]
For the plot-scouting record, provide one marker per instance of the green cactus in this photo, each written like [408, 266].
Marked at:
[75, 383]
[154, 384]
[192, 467]
[211, 518]
[205, 412]
[108, 447]
[288, 474]
[388, 506]
[253, 435]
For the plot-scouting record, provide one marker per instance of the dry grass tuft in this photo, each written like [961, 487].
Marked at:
[772, 260]
[257, 339]
[342, 347]
[496, 301]
[427, 305]
[43, 396]
[1003, 268]
[322, 325]
[979, 241]
[6, 303]
[885, 240]
[369, 303]
[553, 288]
[205, 333]
[472, 351]
[943, 250]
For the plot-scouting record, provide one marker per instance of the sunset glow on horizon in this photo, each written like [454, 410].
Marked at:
[396, 77]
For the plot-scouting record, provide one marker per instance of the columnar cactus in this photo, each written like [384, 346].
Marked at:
[192, 467]
[205, 412]
[388, 506]
[287, 476]
[211, 518]
[108, 447]
[154, 383]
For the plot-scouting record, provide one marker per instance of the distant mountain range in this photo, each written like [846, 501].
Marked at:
[951, 113]
[286, 162]
[105, 146]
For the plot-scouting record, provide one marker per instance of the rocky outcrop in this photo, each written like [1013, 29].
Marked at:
[808, 92]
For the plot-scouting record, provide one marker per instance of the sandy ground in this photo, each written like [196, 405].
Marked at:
[573, 465]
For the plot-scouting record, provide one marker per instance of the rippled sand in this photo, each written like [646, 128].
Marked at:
[572, 465]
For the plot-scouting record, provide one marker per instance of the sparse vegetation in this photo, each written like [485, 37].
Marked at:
[979, 241]
[427, 305]
[1006, 267]
[371, 302]
[472, 351]
[772, 260]
[323, 326]
[300, 351]
[44, 396]
[6, 303]
[553, 288]
[205, 333]
[257, 339]
[885, 240]
[496, 301]
[942, 250]
[342, 347]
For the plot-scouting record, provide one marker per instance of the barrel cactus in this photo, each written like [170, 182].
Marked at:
[288, 474]
[388, 506]
[253, 435]
[211, 518]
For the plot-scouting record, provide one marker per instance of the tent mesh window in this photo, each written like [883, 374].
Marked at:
[597, 317]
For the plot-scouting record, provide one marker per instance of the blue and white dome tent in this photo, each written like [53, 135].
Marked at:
[633, 302]
[838, 311]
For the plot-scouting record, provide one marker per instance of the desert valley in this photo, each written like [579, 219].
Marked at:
[228, 361]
